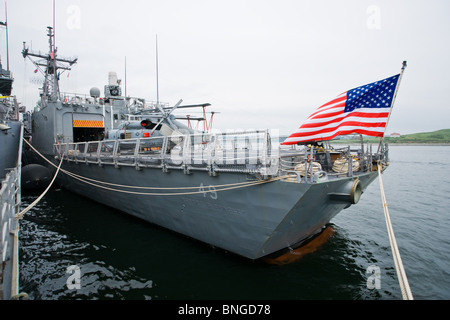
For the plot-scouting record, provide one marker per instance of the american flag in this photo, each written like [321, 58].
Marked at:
[363, 110]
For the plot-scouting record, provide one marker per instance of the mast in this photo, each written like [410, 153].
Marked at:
[54, 22]
[7, 41]
[52, 64]
[51, 85]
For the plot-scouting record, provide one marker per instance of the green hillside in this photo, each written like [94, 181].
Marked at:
[434, 137]
[439, 136]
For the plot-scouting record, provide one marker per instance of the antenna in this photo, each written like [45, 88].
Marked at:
[157, 76]
[7, 41]
[125, 76]
[54, 23]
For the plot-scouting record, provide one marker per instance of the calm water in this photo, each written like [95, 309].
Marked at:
[120, 257]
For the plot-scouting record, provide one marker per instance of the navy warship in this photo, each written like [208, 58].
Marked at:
[243, 192]
[11, 133]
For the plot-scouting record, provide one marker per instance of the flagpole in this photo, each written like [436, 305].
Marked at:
[157, 75]
[393, 98]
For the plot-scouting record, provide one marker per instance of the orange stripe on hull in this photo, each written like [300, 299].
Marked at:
[87, 124]
[300, 252]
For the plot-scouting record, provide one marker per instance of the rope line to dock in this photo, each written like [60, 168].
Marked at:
[402, 279]
[22, 213]
[207, 189]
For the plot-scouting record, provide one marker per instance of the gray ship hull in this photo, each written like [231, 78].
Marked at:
[251, 221]
[9, 146]
[10, 199]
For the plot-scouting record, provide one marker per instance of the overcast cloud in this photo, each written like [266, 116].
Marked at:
[261, 64]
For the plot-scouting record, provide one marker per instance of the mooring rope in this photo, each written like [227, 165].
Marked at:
[210, 189]
[402, 279]
[21, 214]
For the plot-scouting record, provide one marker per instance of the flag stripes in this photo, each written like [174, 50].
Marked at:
[363, 110]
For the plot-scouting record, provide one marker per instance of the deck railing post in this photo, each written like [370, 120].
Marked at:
[350, 163]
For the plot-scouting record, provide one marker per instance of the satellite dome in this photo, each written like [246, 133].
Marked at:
[95, 92]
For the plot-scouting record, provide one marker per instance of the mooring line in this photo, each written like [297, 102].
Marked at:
[402, 279]
[211, 189]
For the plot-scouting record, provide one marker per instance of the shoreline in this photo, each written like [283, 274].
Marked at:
[419, 144]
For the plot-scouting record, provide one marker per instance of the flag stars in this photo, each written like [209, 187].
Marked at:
[373, 95]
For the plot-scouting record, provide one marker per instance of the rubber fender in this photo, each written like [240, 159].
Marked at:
[35, 176]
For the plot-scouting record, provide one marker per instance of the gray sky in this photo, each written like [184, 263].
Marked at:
[261, 64]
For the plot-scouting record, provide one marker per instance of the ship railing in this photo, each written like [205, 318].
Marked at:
[76, 98]
[134, 103]
[10, 201]
[313, 163]
[9, 228]
[249, 152]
